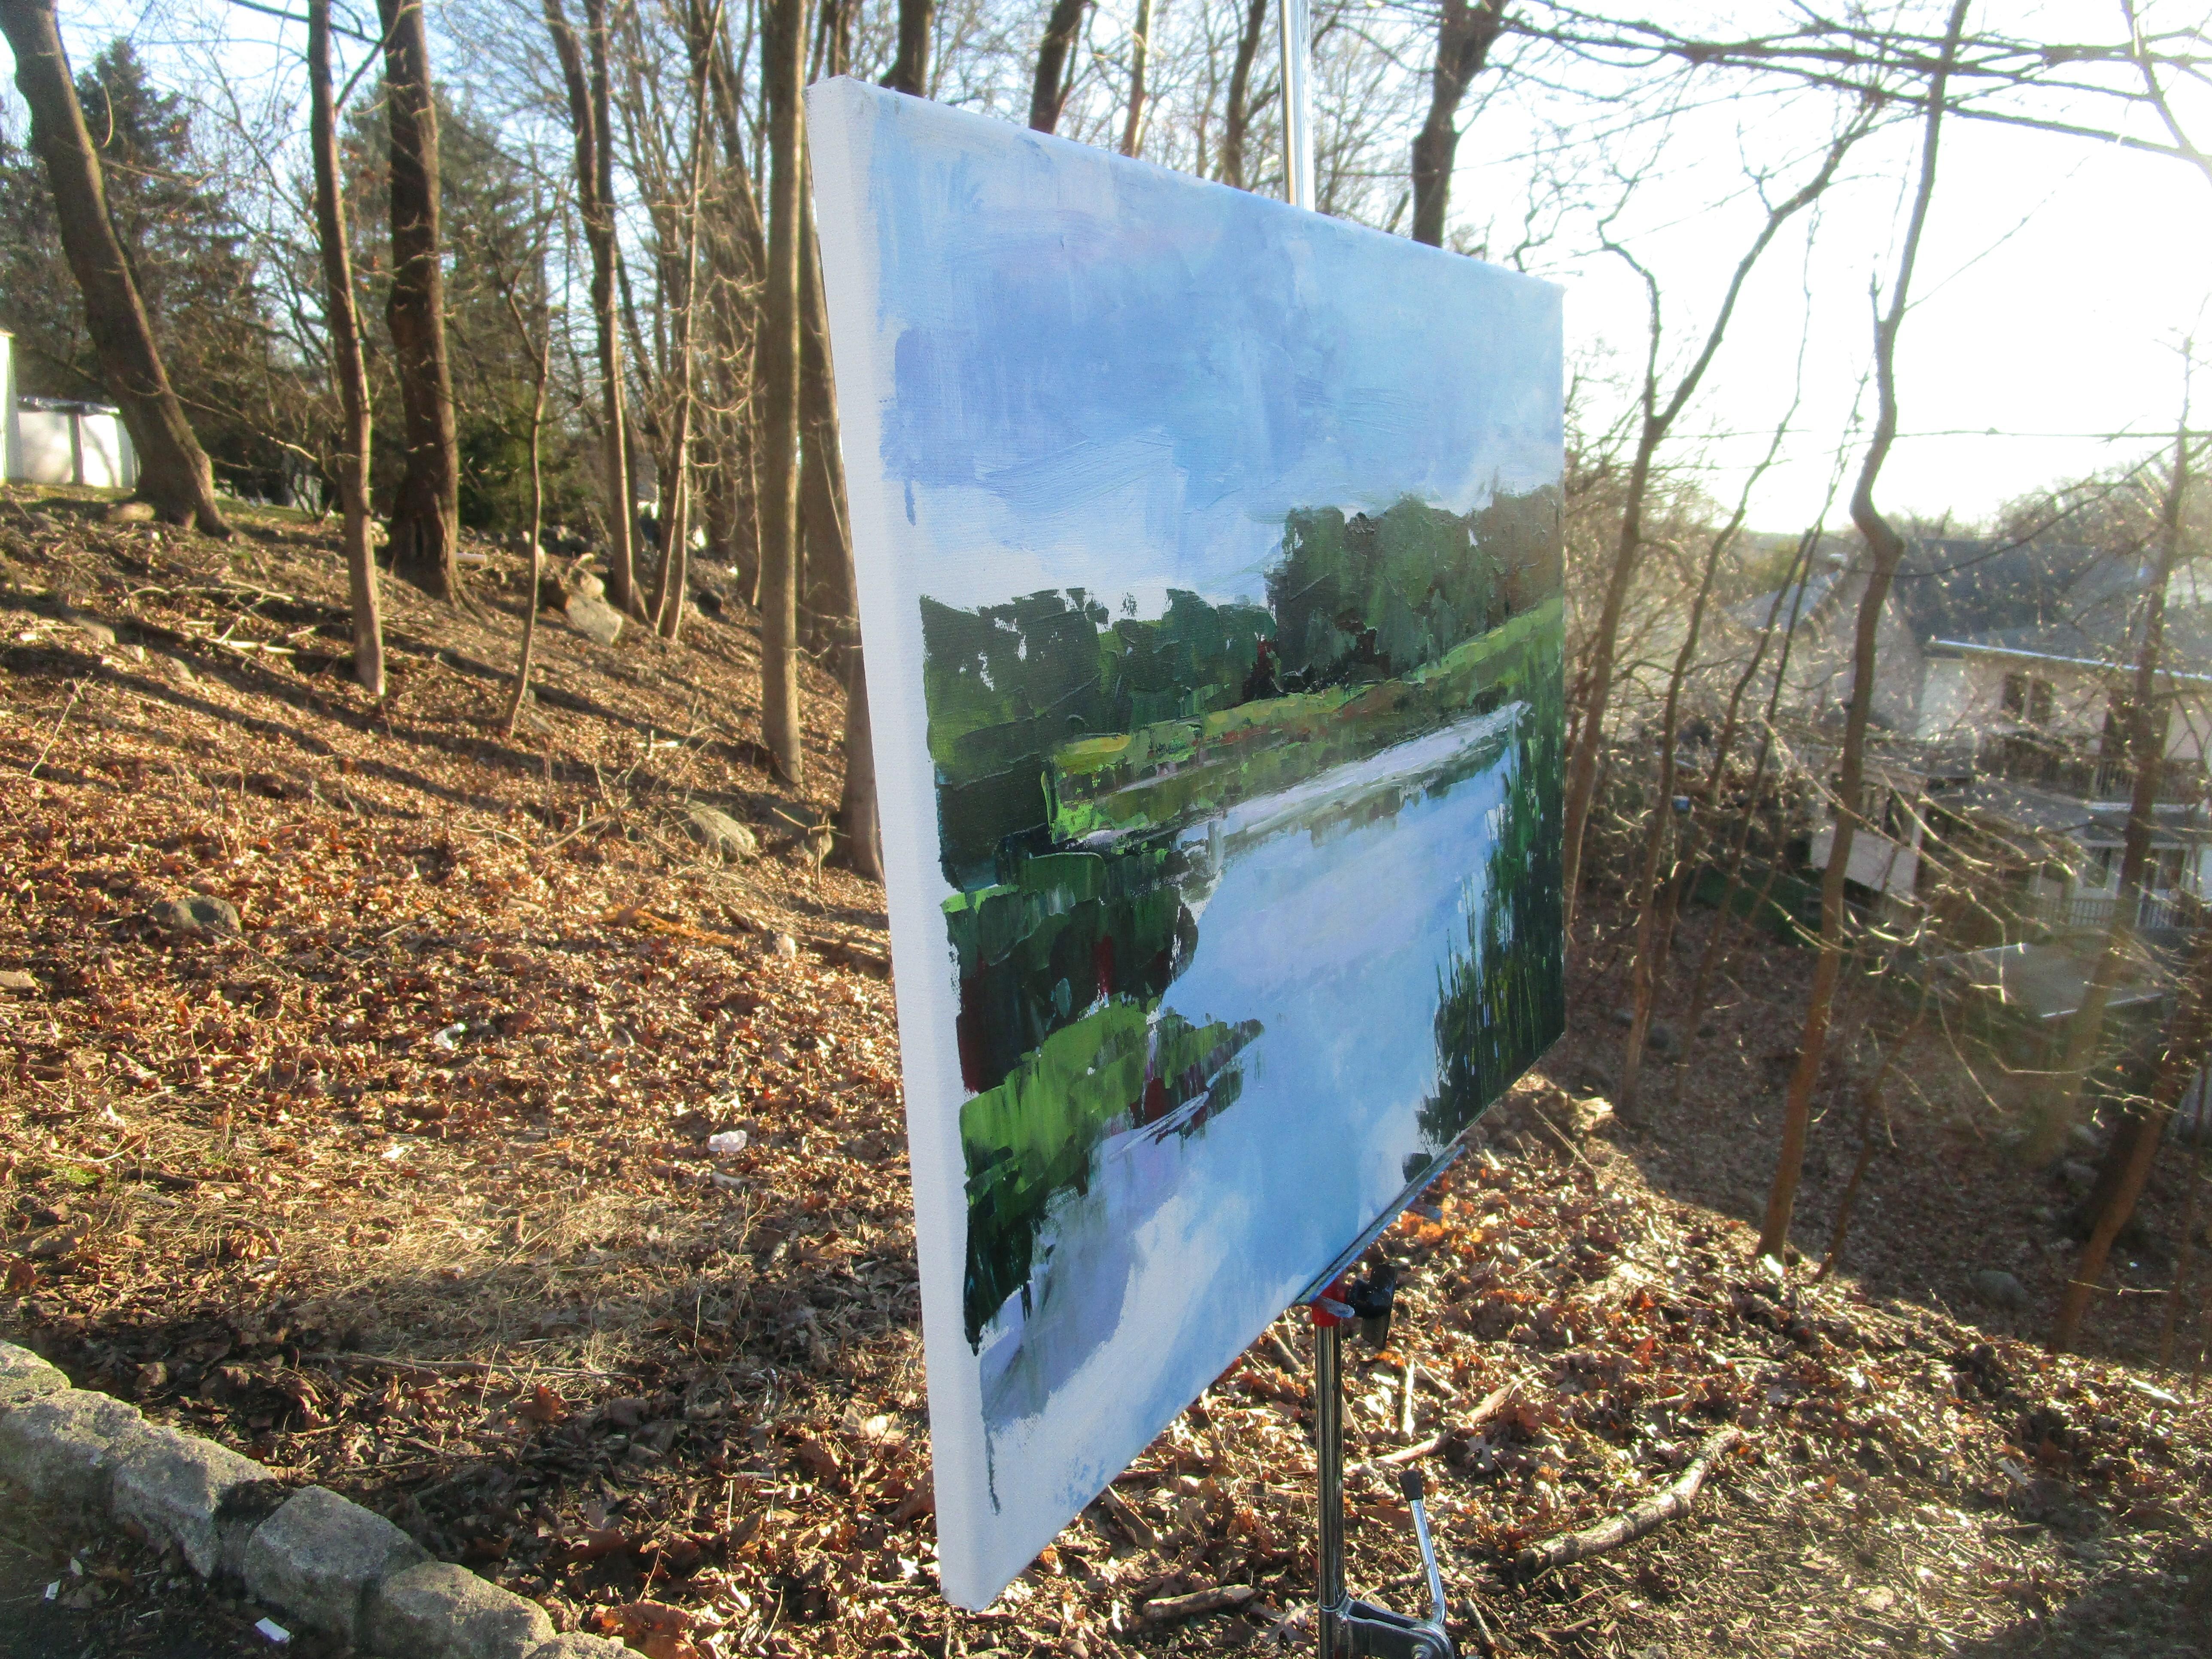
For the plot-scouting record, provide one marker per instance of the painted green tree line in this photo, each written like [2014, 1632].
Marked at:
[1352, 599]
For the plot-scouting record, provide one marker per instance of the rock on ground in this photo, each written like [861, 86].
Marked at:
[595, 618]
[318, 1556]
[64, 1449]
[173, 1487]
[438, 1611]
[197, 912]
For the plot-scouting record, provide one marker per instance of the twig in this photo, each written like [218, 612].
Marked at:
[457, 1367]
[1483, 1638]
[1573, 1150]
[1123, 1512]
[1631, 1524]
[1493, 1403]
[54, 736]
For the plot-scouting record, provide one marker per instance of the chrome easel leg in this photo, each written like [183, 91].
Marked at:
[1328, 1444]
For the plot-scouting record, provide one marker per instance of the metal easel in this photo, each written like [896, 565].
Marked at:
[1348, 1627]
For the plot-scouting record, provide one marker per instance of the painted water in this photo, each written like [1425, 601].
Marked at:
[1197, 1230]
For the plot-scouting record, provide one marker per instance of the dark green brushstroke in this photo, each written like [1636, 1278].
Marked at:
[1504, 1001]
[1351, 602]
[1030, 1138]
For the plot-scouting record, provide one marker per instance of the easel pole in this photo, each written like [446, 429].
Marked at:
[1328, 1448]
[1295, 33]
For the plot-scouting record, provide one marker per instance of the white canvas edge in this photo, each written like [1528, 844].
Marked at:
[839, 124]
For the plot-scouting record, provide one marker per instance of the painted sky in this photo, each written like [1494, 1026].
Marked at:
[1136, 374]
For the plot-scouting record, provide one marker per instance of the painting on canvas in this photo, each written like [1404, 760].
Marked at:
[1208, 558]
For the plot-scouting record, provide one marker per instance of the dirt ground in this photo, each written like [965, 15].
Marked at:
[405, 1188]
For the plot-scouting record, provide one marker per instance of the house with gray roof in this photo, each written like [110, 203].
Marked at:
[2001, 685]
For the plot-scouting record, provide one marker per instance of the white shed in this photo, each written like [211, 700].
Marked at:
[9, 465]
[60, 442]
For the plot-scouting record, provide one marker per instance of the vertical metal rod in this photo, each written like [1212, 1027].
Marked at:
[1328, 1445]
[1295, 33]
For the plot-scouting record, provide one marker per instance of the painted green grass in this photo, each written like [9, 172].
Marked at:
[1178, 771]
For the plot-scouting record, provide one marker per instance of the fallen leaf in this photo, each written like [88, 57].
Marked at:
[544, 1406]
[819, 1460]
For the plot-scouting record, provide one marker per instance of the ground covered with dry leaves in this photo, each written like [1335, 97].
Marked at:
[406, 1188]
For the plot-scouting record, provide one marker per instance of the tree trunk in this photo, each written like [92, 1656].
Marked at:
[1465, 34]
[676, 529]
[1653, 920]
[2188, 1033]
[1141, 46]
[588, 101]
[173, 474]
[910, 69]
[1885, 549]
[1236, 119]
[825, 541]
[541, 368]
[1715, 944]
[860, 817]
[347, 367]
[426, 519]
[2146, 740]
[783, 62]
[1628, 552]
[1055, 64]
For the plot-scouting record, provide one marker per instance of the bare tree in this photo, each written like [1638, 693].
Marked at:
[1055, 64]
[426, 518]
[910, 70]
[1653, 903]
[588, 119]
[2188, 1034]
[1656, 420]
[1141, 47]
[1885, 549]
[541, 351]
[346, 367]
[2146, 720]
[2154, 92]
[783, 60]
[173, 474]
[1465, 34]
[1236, 116]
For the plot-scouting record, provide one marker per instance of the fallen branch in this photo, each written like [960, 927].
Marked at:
[1222, 1598]
[455, 1367]
[1139, 1530]
[1631, 1524]
[1491, 1404]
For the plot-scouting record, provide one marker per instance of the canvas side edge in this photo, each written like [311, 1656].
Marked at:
[843, 118]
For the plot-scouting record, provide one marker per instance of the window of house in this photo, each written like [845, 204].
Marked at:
[2027, 698]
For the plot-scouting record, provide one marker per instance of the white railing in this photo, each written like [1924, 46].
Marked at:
[2094, 910]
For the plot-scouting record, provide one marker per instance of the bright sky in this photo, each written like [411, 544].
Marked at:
[1094, 374]
[2057, 281]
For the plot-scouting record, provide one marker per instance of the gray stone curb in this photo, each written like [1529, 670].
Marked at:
[312, 1557]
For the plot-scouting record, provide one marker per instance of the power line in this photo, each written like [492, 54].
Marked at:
[286, 17]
